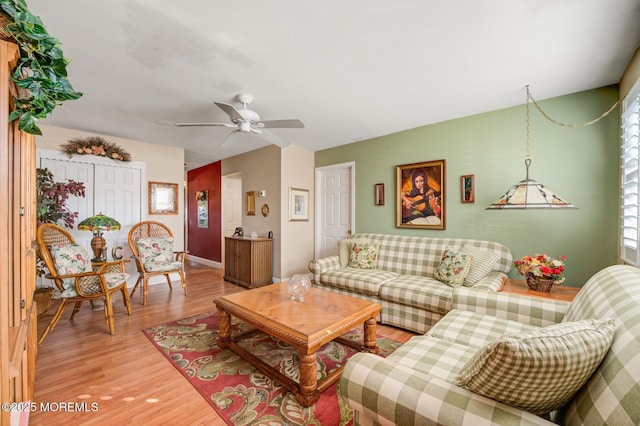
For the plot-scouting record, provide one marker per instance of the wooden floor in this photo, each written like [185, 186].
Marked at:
[123, 376]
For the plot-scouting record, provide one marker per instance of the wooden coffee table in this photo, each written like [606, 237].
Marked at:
[322, 317]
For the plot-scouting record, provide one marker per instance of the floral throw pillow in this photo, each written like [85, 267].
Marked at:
[364, 255]
[344, 249]
[453, 267]
[155, 250]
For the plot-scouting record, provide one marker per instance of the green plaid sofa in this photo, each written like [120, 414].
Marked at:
[403, 282]
[415, 384]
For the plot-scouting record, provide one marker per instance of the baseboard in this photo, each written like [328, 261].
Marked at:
[203, 261]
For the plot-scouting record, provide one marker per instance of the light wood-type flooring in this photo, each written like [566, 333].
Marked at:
[124, 376]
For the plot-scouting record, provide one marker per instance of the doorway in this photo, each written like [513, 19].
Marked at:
[335, 206]
[231, 206]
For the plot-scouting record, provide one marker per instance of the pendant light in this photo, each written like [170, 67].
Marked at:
[529, 194]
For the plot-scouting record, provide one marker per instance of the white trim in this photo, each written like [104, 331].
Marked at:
[629, 184]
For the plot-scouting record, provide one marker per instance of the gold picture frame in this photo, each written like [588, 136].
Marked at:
[162, 198]
[251, 203]
[420, 201]
[467, 189]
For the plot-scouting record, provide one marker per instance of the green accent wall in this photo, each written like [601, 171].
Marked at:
[579, 163]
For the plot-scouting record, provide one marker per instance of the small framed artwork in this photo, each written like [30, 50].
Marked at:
[251, 203]
[467, 190]
[163, 198]
[298, 204]
[379, 194]
[202, 198]
[420, 201]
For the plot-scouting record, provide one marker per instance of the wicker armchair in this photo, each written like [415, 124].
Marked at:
[71, 270]
[152, 246]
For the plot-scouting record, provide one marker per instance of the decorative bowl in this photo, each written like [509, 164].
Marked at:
[299, 286]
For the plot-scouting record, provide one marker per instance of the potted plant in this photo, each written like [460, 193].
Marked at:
[51, 207]
[41, 72]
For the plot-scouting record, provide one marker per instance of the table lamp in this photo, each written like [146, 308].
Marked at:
[98, 224]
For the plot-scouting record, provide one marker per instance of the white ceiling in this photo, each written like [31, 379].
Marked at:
[350, 70]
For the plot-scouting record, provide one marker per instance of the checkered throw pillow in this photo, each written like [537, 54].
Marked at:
[539, 371]
[481, 264]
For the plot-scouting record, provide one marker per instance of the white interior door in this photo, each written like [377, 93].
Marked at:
[231, 206]
[117, 195]
[335, 207]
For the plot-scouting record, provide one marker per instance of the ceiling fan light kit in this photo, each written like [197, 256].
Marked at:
[245, 120]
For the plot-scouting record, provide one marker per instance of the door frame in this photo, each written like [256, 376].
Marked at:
[351, 165]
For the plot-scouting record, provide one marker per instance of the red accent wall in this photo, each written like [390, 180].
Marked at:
[205, 242]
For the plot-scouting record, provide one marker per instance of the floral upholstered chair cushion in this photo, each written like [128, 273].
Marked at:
[156, 254]
[74, 259]
[453, 267]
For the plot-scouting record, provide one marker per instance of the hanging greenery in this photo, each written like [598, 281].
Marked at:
[41, 72]
[95, 145]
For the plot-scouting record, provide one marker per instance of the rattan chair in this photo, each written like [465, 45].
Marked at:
[144, 239]
[73, 274]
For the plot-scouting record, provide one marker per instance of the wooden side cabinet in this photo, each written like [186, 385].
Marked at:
[248, 261]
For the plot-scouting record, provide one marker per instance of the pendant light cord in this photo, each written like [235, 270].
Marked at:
[545, 115]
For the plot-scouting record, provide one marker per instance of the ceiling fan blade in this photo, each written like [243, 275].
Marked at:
[231, 111]
[284, 124]
[272, 138]
[230, 138]
[203, 124]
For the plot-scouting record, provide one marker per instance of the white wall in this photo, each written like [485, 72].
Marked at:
[297, 245]
[163, 164]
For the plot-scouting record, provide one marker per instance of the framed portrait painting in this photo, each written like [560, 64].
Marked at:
[420, 195]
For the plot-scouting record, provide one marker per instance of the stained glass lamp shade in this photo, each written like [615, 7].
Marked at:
[98, 224]
[529, 194]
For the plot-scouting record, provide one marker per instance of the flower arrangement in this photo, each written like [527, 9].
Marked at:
[95, 145]
[543, 266]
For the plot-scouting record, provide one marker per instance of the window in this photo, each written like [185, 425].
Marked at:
[630, 178]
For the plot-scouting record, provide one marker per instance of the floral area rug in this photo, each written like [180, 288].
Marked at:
[239, 392]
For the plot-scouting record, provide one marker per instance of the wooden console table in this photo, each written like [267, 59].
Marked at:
[248, 261]
[557, 292]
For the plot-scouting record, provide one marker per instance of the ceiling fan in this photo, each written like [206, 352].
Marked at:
[245, 120]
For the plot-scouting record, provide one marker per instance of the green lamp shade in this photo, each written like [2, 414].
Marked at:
[99, 223]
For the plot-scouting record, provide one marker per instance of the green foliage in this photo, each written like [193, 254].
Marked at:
[41, 71]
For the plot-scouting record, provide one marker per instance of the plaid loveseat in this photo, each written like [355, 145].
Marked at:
[415, 384]
[403, 280]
